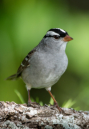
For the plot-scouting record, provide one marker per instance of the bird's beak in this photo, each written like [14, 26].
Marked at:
[67, 38]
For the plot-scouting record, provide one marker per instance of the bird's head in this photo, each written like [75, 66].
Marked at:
[57, 37]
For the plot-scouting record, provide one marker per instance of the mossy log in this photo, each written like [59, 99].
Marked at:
[19, 116]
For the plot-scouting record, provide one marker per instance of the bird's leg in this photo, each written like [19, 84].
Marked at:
[55, 102]
[29, 100]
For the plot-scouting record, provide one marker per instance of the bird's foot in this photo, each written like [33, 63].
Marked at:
[31, 103]
[60, 109]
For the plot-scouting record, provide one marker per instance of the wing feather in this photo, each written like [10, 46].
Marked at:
[25, 63]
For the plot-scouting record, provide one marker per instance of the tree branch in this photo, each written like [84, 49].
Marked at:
[19, 116]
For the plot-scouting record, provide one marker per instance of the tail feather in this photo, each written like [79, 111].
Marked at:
[12, 77]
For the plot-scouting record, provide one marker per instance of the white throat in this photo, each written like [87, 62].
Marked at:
[63, 46]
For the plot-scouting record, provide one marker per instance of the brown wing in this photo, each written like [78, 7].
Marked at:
[25, 63]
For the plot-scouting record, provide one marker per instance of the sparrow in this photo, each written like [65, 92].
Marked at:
[45, 64]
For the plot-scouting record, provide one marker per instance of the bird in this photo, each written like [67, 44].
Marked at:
[46, 63]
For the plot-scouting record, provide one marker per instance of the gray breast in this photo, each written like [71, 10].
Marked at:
[45, 69]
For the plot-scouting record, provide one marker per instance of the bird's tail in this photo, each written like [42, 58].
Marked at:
[12, 77]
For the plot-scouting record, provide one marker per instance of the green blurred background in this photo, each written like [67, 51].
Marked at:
[23, 24]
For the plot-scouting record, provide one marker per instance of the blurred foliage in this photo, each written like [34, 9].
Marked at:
[22, 26]
[67, 104]
[20, 97]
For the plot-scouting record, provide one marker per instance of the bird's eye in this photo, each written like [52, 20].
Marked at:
[56, 36]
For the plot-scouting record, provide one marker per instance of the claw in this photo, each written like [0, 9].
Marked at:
[31, 103]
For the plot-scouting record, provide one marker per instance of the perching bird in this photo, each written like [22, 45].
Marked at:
[44, 65]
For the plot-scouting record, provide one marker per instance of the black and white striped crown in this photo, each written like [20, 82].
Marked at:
[56, 31]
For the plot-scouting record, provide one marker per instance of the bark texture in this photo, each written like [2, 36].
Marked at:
[19, 116]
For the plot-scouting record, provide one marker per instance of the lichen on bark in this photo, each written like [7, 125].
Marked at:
[19, 116]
